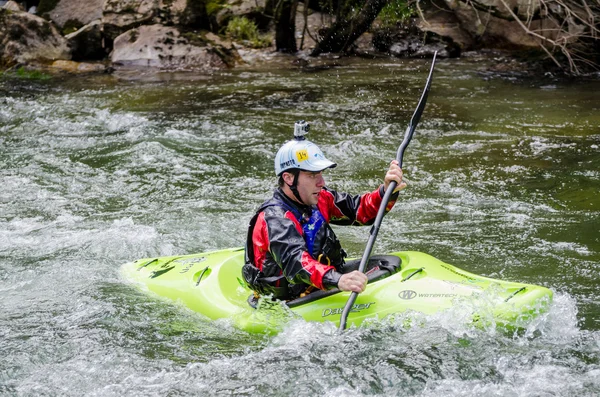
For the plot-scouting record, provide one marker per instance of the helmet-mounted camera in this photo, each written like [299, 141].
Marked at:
[301, 128]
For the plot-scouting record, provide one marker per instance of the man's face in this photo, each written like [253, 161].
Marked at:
[309, 186]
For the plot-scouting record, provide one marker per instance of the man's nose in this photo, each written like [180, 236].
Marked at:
[320, 181]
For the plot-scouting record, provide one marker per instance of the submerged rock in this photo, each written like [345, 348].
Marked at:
[26, 38]
[165, 47]
[78, 67]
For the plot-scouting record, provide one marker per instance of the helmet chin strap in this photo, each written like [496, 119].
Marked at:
[294, 188]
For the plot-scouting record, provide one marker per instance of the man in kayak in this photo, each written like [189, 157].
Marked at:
[290, 248]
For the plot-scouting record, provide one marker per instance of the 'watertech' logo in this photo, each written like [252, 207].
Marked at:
[407, 294]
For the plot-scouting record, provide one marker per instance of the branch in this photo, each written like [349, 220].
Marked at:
[530, 32]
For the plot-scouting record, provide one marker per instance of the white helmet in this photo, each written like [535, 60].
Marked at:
[300, 153]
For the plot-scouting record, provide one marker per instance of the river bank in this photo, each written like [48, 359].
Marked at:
[101, 37]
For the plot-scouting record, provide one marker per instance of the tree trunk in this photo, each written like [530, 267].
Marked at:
[285, 26]
[346, 29]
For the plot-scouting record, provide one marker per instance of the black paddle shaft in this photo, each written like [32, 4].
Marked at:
[389, 191]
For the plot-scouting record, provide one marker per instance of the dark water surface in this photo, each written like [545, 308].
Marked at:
[504, 181]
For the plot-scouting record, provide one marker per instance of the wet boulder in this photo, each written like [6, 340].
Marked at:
[26, 38]
[165, 47]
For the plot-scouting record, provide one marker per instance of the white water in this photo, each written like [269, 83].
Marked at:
[96, 172]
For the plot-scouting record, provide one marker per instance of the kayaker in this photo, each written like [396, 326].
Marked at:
[290, 247]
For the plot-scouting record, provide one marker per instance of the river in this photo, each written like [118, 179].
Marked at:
[503, 180]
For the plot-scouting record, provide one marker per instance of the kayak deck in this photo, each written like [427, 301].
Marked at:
[210, 283]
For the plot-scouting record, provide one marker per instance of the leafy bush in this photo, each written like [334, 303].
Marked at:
[244, 30]
[395, 12]
[214, 6]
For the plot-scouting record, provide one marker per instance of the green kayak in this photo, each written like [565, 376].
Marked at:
[210, 283]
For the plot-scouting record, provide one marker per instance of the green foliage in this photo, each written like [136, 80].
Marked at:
[214, 6]
[26, 74]
[244, 30]
[395, 12]
[241, 28]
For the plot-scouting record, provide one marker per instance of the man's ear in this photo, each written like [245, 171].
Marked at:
[288, 178]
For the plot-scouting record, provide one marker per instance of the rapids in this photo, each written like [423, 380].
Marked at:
[503, 173]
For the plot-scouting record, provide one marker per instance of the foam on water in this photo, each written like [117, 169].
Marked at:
[385, 358]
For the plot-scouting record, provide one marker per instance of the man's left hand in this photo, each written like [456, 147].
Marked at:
[394, 173]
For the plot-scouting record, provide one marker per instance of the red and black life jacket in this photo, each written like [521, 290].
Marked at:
[321, 243]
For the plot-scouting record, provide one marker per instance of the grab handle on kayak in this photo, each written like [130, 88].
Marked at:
[201, 275]
[514, 293]
[412, 274]
[146, 264]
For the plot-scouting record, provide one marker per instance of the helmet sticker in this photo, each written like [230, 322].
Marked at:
[302, 155]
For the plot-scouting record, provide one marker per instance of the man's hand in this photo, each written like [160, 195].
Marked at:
[354, 281]
[394, 173]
